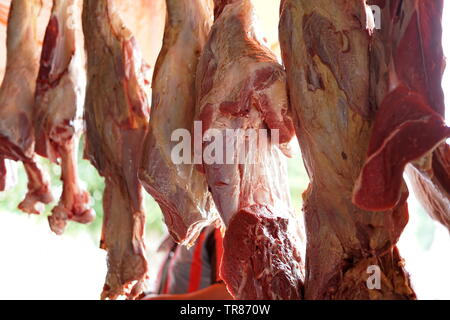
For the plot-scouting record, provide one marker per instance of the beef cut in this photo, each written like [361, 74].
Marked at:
[180, 189]
[24, 42]
[241, 87]
[325, 47]
[407, 65]
[117, 113]
[58, 111]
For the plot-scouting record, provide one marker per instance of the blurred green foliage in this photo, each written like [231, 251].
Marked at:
[425, 229]
[298, 181]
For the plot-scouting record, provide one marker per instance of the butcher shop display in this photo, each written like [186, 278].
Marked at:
[188, 103]
[411, 117]
[406, 72]
[328, 68]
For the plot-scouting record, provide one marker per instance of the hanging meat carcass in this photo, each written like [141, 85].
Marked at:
[24, 43]
[117, 113]
[60, 94]
[241, 87]
[325, 47]
[407, 64]
[180, 189]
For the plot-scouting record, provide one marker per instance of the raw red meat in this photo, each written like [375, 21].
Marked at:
[430, 176]
[117, 113]
[24, 39]
[181, 191]
[241, 86]
[407, 64]
[325, 47]
[60, 94]
[405, 130]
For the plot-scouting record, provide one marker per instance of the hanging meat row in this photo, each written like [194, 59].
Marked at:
[364, 104]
